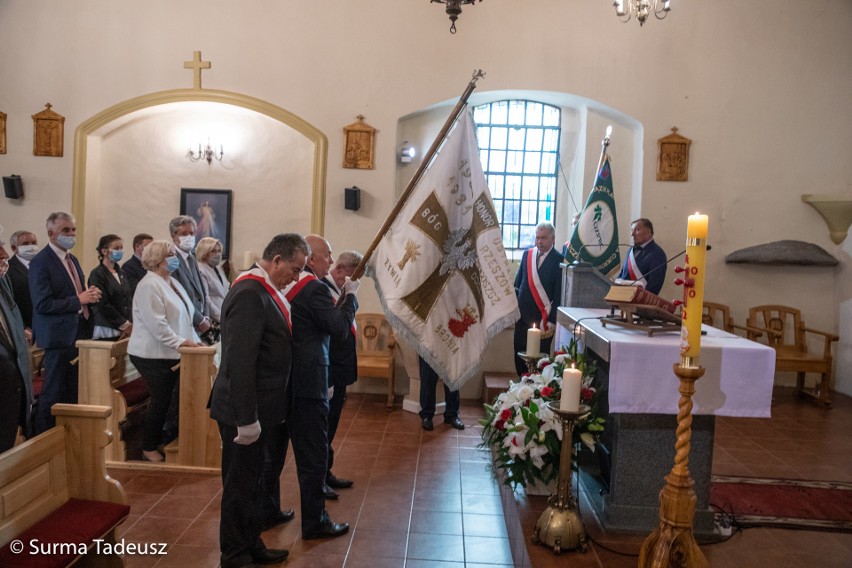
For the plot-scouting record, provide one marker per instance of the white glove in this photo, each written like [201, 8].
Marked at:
[351, 286]
[248, 434]
[330, 392]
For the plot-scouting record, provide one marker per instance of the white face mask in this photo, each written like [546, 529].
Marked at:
[214, 259]
[27, 252]
[187, 243]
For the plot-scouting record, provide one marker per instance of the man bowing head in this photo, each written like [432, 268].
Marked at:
[252, 394]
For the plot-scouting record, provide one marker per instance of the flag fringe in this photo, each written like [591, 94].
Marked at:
[409, 337]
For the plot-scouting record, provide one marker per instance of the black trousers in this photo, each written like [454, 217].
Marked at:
[241, 522]
[161, 381]
[12, 398]
[335, 409]
[274, 456]
[308, 430]
[60, 385]
[428, 383]
[521, 328]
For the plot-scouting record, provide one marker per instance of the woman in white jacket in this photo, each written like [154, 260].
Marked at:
[162, 322]
[208, 252]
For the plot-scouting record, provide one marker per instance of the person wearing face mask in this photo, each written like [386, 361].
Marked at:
[113, 312]
[182, 229]
[162, 316]
[61, 314]
[16, 388]
[209, 255]
[24, 247]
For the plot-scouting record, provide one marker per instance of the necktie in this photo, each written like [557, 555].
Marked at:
[77, 284]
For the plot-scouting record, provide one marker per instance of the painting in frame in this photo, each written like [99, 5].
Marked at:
[211, 209]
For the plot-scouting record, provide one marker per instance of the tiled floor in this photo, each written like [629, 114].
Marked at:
[426, 499]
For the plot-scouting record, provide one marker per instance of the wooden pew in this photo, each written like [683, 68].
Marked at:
[102, 382]
[54, 488]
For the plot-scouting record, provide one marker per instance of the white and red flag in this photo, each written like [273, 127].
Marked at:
[440, 269]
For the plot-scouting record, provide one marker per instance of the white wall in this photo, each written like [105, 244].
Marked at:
[762, 88]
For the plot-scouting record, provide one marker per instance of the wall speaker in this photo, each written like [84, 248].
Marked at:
[352, 198]
[13, 187]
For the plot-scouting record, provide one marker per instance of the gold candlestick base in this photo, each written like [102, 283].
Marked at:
[560, 526]
[532, 360]
[672, 544]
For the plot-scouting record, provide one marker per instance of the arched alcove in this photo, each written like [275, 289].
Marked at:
[143, 184]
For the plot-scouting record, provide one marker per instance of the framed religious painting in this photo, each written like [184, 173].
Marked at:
[673, 161]
[360, 145]
[48, 133]
[2, 132]
[211, 209]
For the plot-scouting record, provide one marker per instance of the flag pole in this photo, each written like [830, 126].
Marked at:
[604, 146]
[427, 159]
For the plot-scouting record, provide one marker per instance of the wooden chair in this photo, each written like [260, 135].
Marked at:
[719, 315]
[375, 345]
[787, 334]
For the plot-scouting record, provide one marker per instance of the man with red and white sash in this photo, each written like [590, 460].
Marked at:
[538, 286]
[646, 262]
[315, 319]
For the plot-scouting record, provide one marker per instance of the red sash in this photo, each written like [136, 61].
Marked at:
[632, 268]
[294, 290]
[276, 296]
[537, 288]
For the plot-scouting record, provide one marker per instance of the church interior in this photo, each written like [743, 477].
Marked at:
[260, 98]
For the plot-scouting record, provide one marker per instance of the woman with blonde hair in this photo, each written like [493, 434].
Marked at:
[162, 317]
[208, 252]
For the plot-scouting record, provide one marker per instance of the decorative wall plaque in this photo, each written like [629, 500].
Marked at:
[2, 132]
[360, 145]
[673, 163]
[48, 133]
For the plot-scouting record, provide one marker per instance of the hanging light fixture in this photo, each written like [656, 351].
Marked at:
[454, 9]
[641, 9]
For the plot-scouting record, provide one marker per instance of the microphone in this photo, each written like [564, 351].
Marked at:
[645, 276]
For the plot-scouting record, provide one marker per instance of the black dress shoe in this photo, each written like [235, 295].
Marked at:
[455, 423]
[427, 424]
[337, 483]
[329, 493]
[269, 556]
[327, 529]
[281, 518]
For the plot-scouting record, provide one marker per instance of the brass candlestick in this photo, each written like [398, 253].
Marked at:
[560, 526]
[532, 360]
[672, 544]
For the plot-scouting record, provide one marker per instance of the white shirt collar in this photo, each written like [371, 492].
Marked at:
[59, 252]
[23, 261]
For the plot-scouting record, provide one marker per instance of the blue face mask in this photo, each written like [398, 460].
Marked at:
[116, 255]
[172, 263]
[67, 242]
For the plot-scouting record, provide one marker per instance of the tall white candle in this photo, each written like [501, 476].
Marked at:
[533, 341]
[572, 380]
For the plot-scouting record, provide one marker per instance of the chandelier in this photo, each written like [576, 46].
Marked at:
[454, 9]
[639, 9]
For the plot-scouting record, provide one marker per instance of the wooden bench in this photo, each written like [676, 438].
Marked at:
[56, 496]
[102, 381]
[495, 382]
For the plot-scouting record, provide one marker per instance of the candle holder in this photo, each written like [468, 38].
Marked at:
[560, 526]
[672, 542]
[532, 360]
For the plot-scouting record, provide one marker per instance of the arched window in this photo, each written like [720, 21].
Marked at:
[519, 149]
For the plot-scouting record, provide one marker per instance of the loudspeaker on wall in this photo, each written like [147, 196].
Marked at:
[13, 186]
[352, 198]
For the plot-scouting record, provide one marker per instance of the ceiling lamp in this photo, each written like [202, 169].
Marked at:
[454, 9]
[639, 9]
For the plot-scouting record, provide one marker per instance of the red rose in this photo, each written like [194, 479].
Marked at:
[500, 425]
[506, 414]
[546, 391]
[587, 394]
[527, 403]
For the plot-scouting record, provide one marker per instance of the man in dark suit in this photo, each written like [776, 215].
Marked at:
[538, 286]
[133, 269]
[252, 395]
[16, 388]
[342, 360]
[24, 247]
[646, 261]
[61, 314]
[315, 319]
[182, 229]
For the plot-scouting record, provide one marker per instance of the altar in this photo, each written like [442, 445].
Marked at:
[623, 484]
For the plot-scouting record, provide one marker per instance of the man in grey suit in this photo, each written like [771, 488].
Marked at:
[182, 229]
[16, 388]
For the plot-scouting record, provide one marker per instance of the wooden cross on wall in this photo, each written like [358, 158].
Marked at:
[196, 65]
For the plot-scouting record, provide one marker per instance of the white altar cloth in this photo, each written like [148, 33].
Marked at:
[737, 381]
